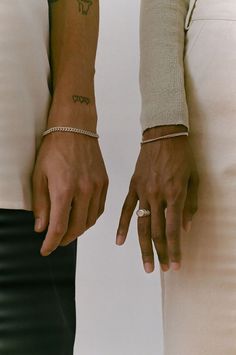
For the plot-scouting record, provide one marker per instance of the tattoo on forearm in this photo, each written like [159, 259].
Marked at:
[81, 99]
[84, 6]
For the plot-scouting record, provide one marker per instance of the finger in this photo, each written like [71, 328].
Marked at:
[191, 202]
[77, 219]
[103, 200]
[58, 222]
[158, 234]
[145, 241]
[41, 202]
[173, 230]
[125, 218]
[93, 209]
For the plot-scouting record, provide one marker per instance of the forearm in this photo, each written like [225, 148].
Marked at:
[161, 65]
[74, 28]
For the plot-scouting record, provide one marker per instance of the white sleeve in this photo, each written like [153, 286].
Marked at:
[162, 40]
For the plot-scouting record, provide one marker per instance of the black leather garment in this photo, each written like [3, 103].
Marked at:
[37, 293]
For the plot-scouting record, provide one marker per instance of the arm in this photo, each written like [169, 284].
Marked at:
[165, 179]
[73, 42]
[69, 179]
[161, 63]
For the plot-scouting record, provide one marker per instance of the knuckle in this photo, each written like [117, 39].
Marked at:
[157, 238]
[173, 227]
[98, 182]
[151, 190]
[80, 231]
[146, 253]
[101, 211]
[91, 223]
[68, 238]
[76, 230]
[70, 235]
[106, 181]
[174, 194]
[85, 185]
[59, 229]
[175, 190]
[172, 235]
[174, 248]
[160, 246]
[63, 192]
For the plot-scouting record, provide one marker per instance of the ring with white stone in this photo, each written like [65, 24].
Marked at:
[143, 212]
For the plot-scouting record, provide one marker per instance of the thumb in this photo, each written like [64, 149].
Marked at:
[41, 203]
[191, 202]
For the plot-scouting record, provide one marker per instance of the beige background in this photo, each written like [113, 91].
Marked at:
[118, 305]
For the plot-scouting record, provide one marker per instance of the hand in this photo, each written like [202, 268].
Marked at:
[69, 187]
[165, 180]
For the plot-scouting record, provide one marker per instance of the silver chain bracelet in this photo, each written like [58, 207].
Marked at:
[71, 129]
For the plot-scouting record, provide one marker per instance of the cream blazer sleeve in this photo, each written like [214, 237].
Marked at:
[162, 40]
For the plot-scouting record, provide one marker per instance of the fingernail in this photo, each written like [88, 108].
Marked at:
[188, 226]
[148, 267]
[45, 253]
[38, 224]
[165, 267]
[175, 266]
[119, 239]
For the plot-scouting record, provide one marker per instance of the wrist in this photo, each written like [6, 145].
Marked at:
[159, 131]
[84, 117]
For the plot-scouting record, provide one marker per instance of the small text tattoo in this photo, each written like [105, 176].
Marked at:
[84, 6]
[81, 99]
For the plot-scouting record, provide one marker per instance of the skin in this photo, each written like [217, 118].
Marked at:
[70, 181]
[165, 181]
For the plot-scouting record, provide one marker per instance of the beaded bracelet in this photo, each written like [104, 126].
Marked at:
[71, 129]
[166, 136]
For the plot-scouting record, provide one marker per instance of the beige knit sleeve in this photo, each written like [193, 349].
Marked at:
[162, 36]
